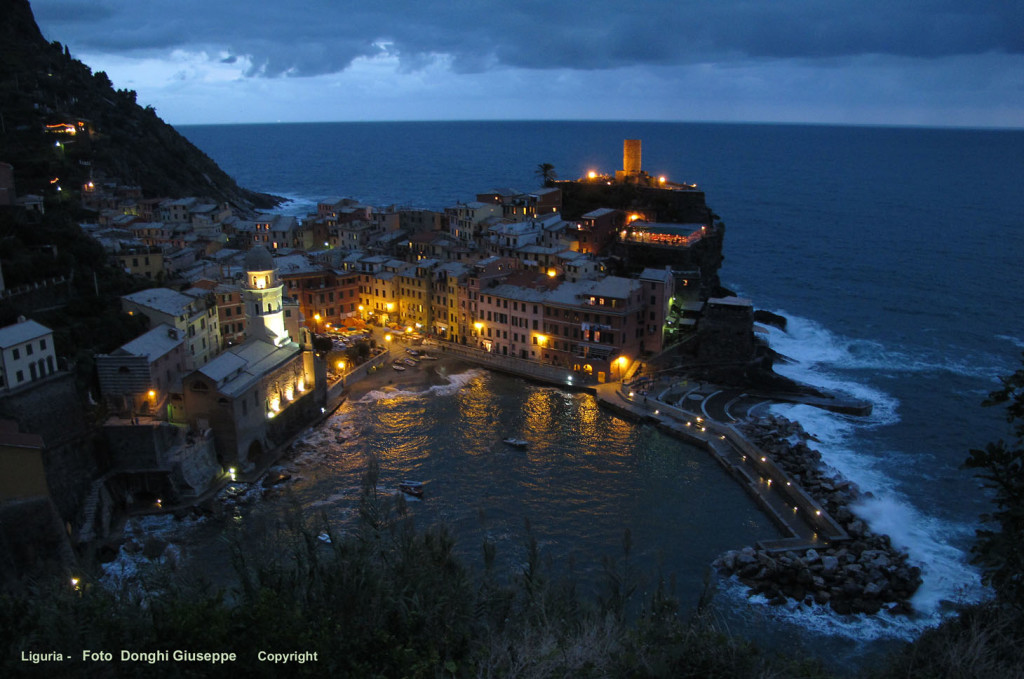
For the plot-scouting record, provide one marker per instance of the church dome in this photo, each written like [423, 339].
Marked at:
[259, 259]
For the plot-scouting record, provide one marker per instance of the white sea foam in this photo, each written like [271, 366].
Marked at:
[387, 394]
[825, 359]
[946, 572]
[456, 382]
[1015, 341]
[822, 620]
[296, 205]
[123, 573]
[810, 343]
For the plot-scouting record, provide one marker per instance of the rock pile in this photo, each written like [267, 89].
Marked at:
[861, 575]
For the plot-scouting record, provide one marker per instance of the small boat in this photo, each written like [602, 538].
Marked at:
[427, 357]
[409, 362]
[412, 352]
[414, 488]
[517, 443]
[397, 366]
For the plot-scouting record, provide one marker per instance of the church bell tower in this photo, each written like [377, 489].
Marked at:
[262, 295]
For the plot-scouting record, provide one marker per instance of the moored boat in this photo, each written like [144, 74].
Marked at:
[414, 488]
[517, 443]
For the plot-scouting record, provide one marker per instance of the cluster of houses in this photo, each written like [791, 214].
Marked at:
[228, 363]
[504, 272]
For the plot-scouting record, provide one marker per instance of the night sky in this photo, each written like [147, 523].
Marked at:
[932, 62]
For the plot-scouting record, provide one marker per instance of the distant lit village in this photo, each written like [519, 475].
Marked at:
[230, 364]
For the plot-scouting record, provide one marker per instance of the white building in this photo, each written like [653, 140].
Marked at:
[26, 354]
[196, 317]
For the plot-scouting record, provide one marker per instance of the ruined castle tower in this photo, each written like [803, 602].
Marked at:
[631, 156]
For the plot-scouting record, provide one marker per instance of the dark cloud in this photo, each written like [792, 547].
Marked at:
[311, 37]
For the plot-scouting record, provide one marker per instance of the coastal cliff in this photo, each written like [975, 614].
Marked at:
[58, 119]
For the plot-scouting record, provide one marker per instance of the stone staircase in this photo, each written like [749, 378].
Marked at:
[90, 507]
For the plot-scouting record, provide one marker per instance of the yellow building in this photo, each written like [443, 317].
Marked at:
[22, 474]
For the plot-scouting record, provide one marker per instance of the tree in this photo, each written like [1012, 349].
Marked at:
[546, 172]
[1000, 552]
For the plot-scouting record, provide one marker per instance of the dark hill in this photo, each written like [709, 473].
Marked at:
[116, 139]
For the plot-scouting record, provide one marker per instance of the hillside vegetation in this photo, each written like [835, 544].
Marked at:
[41, 84]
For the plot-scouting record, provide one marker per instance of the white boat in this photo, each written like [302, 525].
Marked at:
[517, 443]
[397, 366]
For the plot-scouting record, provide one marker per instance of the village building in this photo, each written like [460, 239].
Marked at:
[143, 260]
[26, 354]
[138, 377]
[197, 318]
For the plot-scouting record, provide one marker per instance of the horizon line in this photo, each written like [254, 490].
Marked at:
[640, 121]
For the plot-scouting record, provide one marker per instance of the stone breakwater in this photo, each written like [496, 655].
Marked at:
[861, 575]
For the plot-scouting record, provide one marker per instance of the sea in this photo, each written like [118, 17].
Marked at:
[894, 253]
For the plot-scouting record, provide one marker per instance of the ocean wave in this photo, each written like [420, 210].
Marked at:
[947, 575]
[388, 394]
[296, 205]
[810, 343]
[456, 382]
[821, 620]
[123, 573]
[1015, 341]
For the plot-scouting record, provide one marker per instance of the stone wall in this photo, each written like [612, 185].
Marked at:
[139, 447]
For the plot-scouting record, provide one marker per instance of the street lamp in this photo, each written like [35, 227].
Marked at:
[622, 361]
[316, 317]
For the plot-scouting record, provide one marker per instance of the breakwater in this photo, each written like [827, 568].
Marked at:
[861, 575]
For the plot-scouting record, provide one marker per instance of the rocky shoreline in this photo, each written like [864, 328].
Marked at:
[864, 574]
